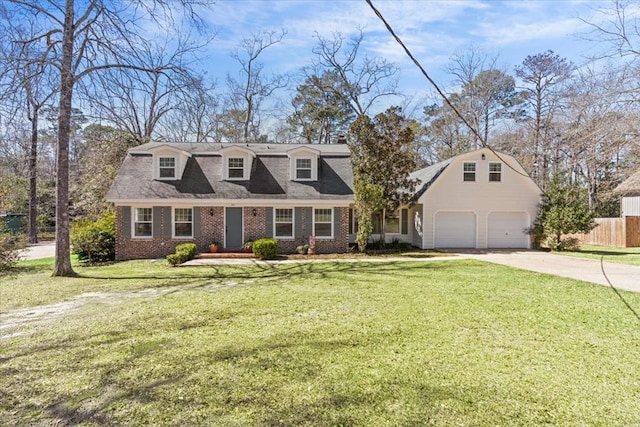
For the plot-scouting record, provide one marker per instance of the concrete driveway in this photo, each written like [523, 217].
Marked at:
[39, 250]
[621, 276]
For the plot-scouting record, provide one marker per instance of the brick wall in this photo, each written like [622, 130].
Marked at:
[212, 229]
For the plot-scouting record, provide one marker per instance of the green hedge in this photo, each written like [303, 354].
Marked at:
[265, 248]
[95, 241]
[184, 252]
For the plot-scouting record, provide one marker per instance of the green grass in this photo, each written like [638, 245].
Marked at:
[385, 344]
[629, 256]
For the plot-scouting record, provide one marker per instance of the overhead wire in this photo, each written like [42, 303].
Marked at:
[471, 128]
[483, 143]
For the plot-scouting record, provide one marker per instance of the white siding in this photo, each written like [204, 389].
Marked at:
[630, 206]
[514, 193]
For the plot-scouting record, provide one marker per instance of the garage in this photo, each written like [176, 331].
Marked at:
[455, 230]
[507, 230]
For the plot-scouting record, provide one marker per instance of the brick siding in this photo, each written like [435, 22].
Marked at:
[212, 229]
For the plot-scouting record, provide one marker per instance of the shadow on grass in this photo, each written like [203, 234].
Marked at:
[260, 270]
[599, 252]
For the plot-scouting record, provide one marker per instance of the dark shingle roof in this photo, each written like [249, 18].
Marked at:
[428, 176]
[202, 177]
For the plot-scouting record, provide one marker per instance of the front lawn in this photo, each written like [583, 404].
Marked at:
[386, 344]
[629, 256]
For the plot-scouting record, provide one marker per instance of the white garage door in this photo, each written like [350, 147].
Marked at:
[507, 230]
[455, 230]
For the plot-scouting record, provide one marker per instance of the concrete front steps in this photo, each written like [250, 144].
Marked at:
[224, 255]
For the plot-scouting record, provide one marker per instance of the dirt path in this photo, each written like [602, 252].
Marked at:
[24, 321]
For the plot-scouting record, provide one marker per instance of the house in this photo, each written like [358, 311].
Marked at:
[166, 194]
[480, 199]
[629, 190]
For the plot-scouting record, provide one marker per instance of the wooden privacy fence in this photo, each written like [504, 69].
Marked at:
[621, 232]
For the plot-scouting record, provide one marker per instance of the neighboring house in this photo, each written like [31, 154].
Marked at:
[167, 194]
[479, 199]
[629, 191]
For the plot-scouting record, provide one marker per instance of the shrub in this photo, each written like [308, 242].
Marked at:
[10, 247]
[184, 252]
[95, 241]
[265, 248]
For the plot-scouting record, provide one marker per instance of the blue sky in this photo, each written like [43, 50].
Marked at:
[433, 30]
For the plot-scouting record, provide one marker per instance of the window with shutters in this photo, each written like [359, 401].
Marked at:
[142, 222]
[283, 223]
[323, 223]
[183, 223]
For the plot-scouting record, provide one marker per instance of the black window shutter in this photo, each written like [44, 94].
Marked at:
[126, 221]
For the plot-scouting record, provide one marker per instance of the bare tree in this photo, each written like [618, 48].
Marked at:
[137, 99]
[28, 83]
[363, 80]
[80, 40]
[194, 117]
[251, 86]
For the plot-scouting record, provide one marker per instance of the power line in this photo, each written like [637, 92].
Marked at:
[483, 143]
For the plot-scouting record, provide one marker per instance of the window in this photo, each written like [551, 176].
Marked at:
[167, 167]
[303, 168]
[392, 223]
[323, 222]
[182, 222]
[283, 222]
[469, 172]
[236, 168]
[142, 222]
[377, 223]
[495, 172]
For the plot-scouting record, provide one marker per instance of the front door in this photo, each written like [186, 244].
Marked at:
[233, 228]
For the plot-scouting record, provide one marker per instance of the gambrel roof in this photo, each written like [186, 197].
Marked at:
[203, 174]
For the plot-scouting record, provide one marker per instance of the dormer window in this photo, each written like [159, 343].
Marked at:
[303, 169]
[303, 164]
[168, 162]
[237, 163]
[236, 168]
[167, 167]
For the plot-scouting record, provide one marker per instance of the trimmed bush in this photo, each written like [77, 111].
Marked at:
[95, 241]
[10, 246]
[184, 252]
[265, 248]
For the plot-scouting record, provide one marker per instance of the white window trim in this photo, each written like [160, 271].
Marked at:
[497, 172]
[175, 168]
[293, 224]
[133, 222]
[312, 171]
[475, 172]
[228, 168]
[313, 213]
[173, 223]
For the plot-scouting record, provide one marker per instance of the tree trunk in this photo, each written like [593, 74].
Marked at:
[33, 156]
[62, 265]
